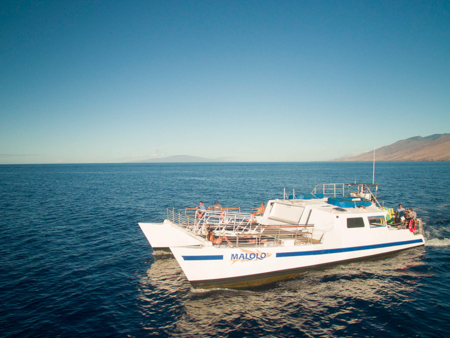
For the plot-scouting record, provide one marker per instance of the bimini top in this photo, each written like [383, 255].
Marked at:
[306, 196]
[349, 202]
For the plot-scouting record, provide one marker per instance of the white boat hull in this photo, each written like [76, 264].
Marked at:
[240, 267]
[162, 236]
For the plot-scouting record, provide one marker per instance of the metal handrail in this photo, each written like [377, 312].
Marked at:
[330, 189]
[339, 189]
[239, 228]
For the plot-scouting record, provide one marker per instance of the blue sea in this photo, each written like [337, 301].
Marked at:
[74, 261]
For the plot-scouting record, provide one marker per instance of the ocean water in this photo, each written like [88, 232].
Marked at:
[75, 263]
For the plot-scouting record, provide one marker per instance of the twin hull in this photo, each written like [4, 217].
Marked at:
[162, 236]
[207, 267]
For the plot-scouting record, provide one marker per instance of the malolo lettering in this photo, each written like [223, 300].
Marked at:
[248, 256]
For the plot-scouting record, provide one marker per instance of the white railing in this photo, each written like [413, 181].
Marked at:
[329, 189]
[240, 228]
[324, 190]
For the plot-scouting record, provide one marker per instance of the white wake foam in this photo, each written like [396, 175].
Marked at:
[438, 242]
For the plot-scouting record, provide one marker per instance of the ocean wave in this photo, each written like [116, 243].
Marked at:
[75, 263]
[438, 242]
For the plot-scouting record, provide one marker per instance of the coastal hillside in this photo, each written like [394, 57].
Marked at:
[431, 148]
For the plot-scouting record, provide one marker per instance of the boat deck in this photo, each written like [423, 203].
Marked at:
[241, 231]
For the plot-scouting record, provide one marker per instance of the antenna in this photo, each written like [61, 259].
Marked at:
[373, 179]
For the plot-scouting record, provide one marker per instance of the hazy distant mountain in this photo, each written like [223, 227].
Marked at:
[178, 159]
[431, 148]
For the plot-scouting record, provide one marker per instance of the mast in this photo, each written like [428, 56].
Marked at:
[373, 179]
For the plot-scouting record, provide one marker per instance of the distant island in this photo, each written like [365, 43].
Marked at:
[178, 159]
[431, 148]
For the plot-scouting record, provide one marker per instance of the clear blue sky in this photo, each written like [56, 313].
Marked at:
[117, 81]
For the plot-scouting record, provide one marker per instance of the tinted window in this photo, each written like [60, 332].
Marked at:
[355, 222]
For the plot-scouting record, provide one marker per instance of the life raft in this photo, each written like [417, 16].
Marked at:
[412, 225]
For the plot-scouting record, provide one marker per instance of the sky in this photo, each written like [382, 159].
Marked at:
[266, 81]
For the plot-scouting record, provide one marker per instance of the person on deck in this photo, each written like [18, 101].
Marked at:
[411, 214]
[200, 210]
[259, 211]
[216, 207]
[399, 214]
[210, 237]
[410, 219]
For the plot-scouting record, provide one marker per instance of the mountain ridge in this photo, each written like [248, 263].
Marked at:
[435, 147]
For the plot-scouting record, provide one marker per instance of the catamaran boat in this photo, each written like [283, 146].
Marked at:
[335, 223]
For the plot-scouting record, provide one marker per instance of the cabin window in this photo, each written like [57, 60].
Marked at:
[356, 222]
[377, 221]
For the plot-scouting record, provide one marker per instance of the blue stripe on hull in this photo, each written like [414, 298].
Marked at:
[203, 258]
[310, 253]
[356, 248]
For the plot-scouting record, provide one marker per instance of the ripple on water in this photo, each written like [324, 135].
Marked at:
[75, 263]
[353, 299]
